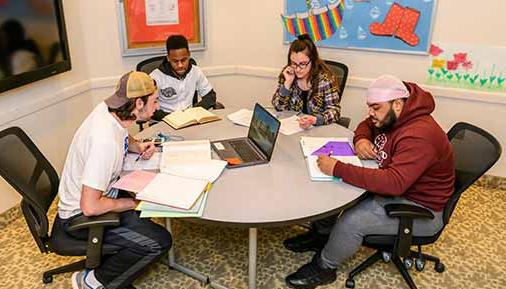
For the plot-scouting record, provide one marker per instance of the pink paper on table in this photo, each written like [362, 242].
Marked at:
[134, 181]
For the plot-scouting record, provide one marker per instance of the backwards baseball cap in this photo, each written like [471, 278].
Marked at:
[131, 85]
[386, 88]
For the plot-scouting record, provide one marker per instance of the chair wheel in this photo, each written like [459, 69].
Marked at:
[47, 279]
[408, 262]
[419, 264]
[439, 267]
[386, 257]
[350, 283]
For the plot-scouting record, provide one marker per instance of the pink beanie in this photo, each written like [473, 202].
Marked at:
[386, 88]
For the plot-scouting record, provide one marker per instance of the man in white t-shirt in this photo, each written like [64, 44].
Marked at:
[93, 163]
[179, 79]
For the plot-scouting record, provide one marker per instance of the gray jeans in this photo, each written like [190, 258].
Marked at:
[369, 217]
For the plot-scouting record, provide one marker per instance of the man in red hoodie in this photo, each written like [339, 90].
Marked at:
[416, 167]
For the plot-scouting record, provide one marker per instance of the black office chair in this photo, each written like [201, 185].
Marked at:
[24, 167]
[340, 70]
[475, 151]
[150, 64]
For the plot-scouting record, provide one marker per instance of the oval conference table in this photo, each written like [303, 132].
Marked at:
[278, 193]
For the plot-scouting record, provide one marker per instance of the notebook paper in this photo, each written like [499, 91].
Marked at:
[132, 164]
[174, 191]
[290, 125]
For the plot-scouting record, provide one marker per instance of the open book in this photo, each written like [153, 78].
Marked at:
[190, 116]
[191, 159]
[168, 190]
[173, 191]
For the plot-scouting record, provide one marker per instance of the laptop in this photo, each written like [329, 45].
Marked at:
[255, 149]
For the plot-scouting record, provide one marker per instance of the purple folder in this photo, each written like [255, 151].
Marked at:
[335, 148]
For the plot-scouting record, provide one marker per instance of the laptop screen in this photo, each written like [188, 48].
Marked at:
[263, 130]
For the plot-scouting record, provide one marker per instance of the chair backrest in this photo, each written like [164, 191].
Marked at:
[340, 70]
[475, 152]
[24, 167]
[150, 64]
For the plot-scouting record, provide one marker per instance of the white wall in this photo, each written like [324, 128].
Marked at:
[243, 56]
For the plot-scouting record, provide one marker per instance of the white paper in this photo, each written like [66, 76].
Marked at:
[219, 146]
[208, 170]
[130, 163]
[191, 150]
[173, 191]
[177, 213]
[241, 117]
[148, 206]
[317, 175]
[290, 125]
[162, 12]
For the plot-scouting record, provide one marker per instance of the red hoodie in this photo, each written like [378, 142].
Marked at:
[415, 157]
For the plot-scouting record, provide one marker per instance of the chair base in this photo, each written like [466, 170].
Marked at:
[47, 277]
[399, 264]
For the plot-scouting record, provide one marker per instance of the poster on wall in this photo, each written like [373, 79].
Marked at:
[388, 25]
[467, 66]
[145, 24]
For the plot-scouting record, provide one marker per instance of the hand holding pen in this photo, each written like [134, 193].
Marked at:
[139, 156]
[326, 163]
[305, 121]
[145, 150]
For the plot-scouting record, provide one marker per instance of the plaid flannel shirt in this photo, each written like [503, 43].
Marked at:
[322, 103]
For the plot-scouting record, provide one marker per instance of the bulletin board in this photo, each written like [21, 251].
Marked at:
[146, 24]
[401, 26]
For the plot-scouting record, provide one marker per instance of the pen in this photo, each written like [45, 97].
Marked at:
[299, 116]
[139, 156]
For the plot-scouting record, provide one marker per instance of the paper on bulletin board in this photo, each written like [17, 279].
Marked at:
[140, 31]
[467, 66]
[162, 12]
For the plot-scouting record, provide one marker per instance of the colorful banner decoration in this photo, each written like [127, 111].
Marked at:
[387, 25]
[319, 23]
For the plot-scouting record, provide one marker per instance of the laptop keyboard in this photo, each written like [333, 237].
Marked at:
[246, 153]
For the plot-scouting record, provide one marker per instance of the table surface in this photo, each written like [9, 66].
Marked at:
[279, 192]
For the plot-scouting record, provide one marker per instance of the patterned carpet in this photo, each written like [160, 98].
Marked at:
[472, 248]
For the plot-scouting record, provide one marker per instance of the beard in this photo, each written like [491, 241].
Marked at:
[389, 121]
[142, 115]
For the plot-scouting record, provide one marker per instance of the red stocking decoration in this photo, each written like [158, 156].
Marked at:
[406, 29]
[391, 22]
[401, 22]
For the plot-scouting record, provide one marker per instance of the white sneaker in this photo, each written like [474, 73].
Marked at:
[78, 280]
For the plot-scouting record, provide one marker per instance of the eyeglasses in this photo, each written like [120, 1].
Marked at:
[301, 65]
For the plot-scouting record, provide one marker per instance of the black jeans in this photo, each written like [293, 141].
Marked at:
[143, 242]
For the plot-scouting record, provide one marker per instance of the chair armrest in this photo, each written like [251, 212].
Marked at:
[95, 226]
[81, 222]
[408, 211]
[406, 214]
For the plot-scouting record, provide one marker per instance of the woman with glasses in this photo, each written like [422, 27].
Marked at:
[307, 85]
